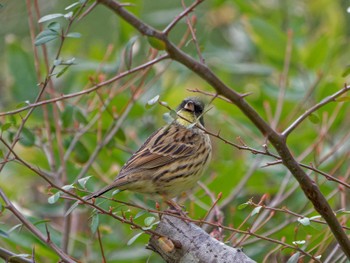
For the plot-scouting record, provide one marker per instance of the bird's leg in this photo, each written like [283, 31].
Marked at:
[176, 208]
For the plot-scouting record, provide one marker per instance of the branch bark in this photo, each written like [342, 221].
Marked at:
[193, 244]
[310, 188]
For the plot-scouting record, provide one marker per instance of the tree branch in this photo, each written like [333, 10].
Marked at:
[310, 188]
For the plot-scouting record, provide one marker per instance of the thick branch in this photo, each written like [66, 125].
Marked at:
[309, 187]
[194, 244]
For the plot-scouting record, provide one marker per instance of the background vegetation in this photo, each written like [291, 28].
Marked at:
[286, 55]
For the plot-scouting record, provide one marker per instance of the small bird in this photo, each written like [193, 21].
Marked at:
[171, 160]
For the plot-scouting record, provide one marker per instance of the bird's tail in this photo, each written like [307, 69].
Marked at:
[99, 192]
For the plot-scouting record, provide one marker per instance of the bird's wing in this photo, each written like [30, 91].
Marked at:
[162, 147]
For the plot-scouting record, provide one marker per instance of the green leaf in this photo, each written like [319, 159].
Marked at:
[116, 192]
[45, 36]
[83, 181]
[79, 116]
[72, 5]
[168, 118]
[55, 27]
[294, 258]
[68, 15]
[95, 221]
[305, 221]
[242, 206]
[81, 153]
[133, 239]
[68, 187]
[314, 118]
[299, 242]
[128, 52]
[27, 138]
[14, 228]
[49, 17]
[13, 258]
[343, 98]
[156, 43]
[6, 126]
[70, 210]
[149, 220]
[74, 35]
[152, 101]
[256, 210]
[139, 214]
[62, 71]
[53, 198]
[41, 222]
[3, 234]
[346, 71]
[67, 116]
[22, 104]
[121, 135]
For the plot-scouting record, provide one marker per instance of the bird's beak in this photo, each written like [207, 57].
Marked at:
[189, 106]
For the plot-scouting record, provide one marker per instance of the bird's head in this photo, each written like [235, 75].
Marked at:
[191, 109]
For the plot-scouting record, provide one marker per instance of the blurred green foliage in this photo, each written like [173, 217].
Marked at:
[245, 43]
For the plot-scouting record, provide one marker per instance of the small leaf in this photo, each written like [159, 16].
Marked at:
[343, 98]
[314, 118]
[121, 135]
[82, 181]
[128, 52]
[74, 35]
[242, 206]
[152, 101]
[22, 104]
[79, 116]
[41, 222]
[70, 210]
[53, 198]
[72, 5]
[132, 240]
[69, 61]
[94, 223]
[149, 220]
[62, 71]
[27, 138]
[57, 62]
[116, 192]
[14, 228]
[6, 126]
[13, 258]
[3, 234]
[1, 156]
[81, 153]
[305, 221]
[67, 116]
[294, 258]
[156, 43]
[167, 118]
[68, 187]
[173, 114]
[315, 217]
[299, 242]
[346, 71]
[49, 17]
[54, 27]
[256, 210]
[45, 36]
[68, 15]
[139, 214]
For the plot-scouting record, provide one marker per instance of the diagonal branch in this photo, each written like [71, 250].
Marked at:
[310, 188]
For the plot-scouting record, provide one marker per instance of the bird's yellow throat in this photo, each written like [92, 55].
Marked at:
[186, 118]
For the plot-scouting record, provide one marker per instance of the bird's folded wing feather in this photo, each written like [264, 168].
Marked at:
[162, 147]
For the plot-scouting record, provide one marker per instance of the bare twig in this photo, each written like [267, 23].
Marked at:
[310, 189]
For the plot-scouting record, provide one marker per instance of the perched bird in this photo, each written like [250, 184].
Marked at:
[171, 160]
